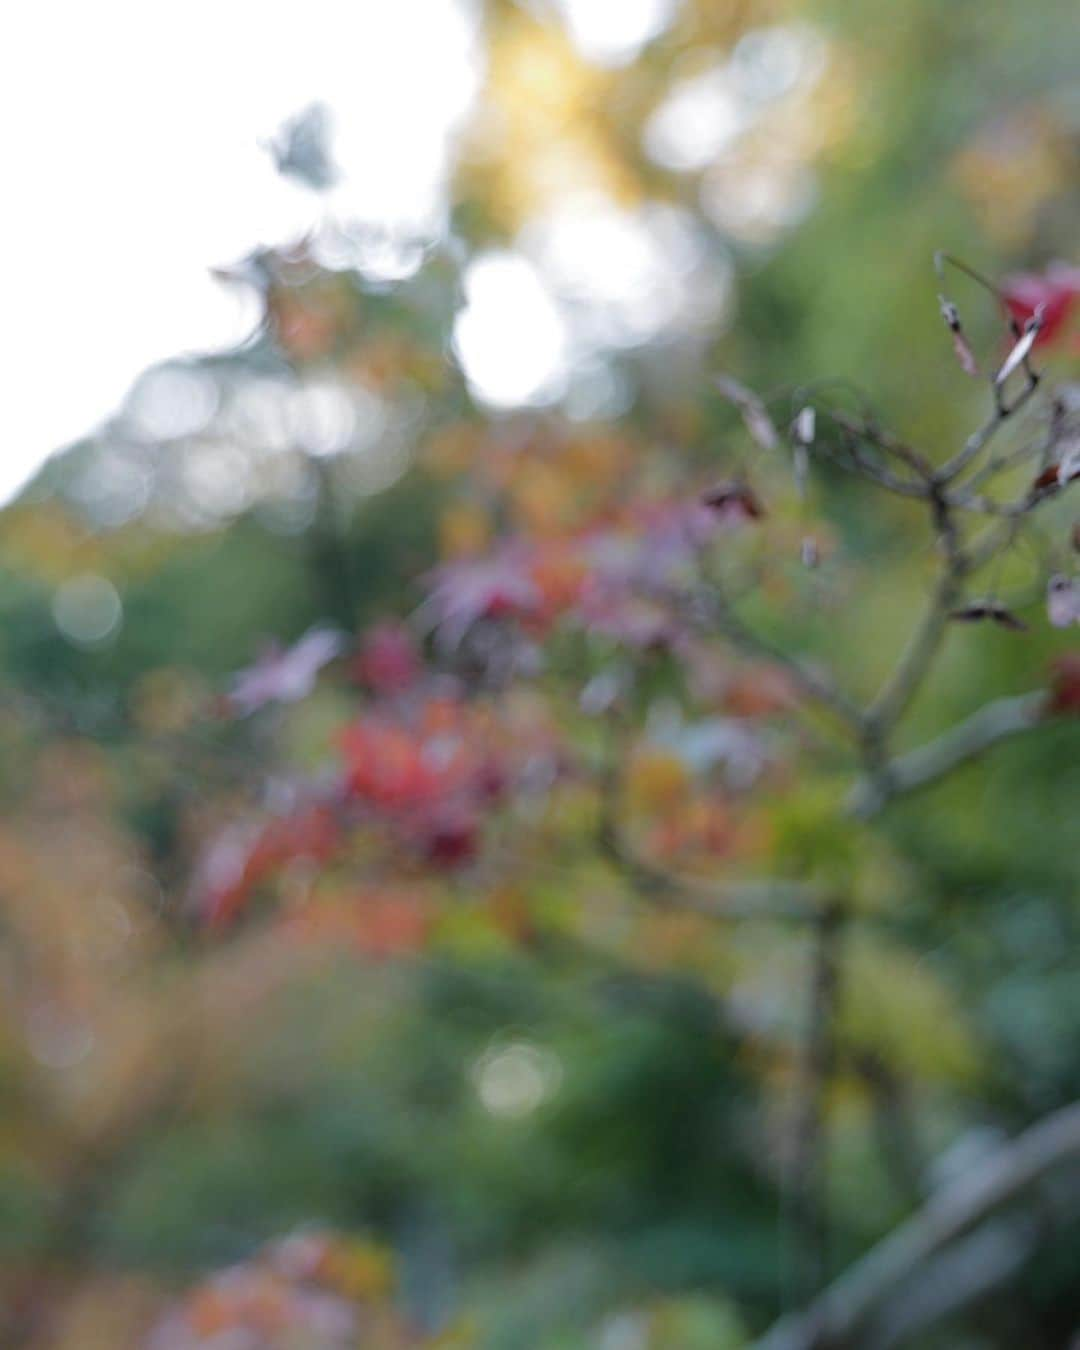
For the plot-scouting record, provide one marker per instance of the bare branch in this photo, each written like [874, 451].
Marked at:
[898, 691]
[982, 436]
[713, 610]
[958, 1278]
[901, 1156]
[839, 1318]
[774, 900]
[754, 413]
[995, 466]
[869, 431]
[809, 1154]
[993, 723]
[896, 694]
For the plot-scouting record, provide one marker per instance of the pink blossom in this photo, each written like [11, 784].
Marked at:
[388, 661]
[489, 588]
[284, 675]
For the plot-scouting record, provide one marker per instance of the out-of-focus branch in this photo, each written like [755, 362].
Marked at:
[896, 694]
[961, 1276]
[1018, 358]
[712, 609]
[808, 1176]
[868, 431]
[914, 664]
[999, 464]
[840, 1317]
[979, 439]
[898, 1142]
[993, 723]
[771, 899]
[775, 900]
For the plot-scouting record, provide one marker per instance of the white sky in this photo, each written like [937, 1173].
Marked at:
[133, 165]
[136, 163]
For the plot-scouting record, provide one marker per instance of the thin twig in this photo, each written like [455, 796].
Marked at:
[898, 691]
[870, 431]
[982, 436]
[1010, 459]
[714, 611]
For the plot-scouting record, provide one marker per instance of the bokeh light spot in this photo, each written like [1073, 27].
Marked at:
[87, 610]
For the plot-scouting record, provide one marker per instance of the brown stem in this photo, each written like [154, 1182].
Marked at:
[808, 1178]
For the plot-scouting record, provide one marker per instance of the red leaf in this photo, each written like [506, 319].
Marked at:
[1055, 291]
[1064, 697]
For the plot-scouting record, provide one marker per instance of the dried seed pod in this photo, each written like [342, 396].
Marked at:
[734, 502]
[1022, 349]
[1062, 601]
[991, 610]
[961, 347]
[805, 425]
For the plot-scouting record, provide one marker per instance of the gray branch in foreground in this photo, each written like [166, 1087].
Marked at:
[994, 722]
[840, 1317]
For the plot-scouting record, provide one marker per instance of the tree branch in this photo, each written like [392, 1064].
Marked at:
[898, 691]
[994, 722]
[913, 459]
[901, 1156]
[896, 694]
[839, 1318]
[979, 439]
[808, 1176]
[785, 901]
[815, 683]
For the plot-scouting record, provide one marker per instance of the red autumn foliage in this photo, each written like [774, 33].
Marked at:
[1054, 291]
[1064, 696]
[388, 661]
[242, 860]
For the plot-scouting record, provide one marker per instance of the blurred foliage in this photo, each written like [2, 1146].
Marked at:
[495, 1099]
